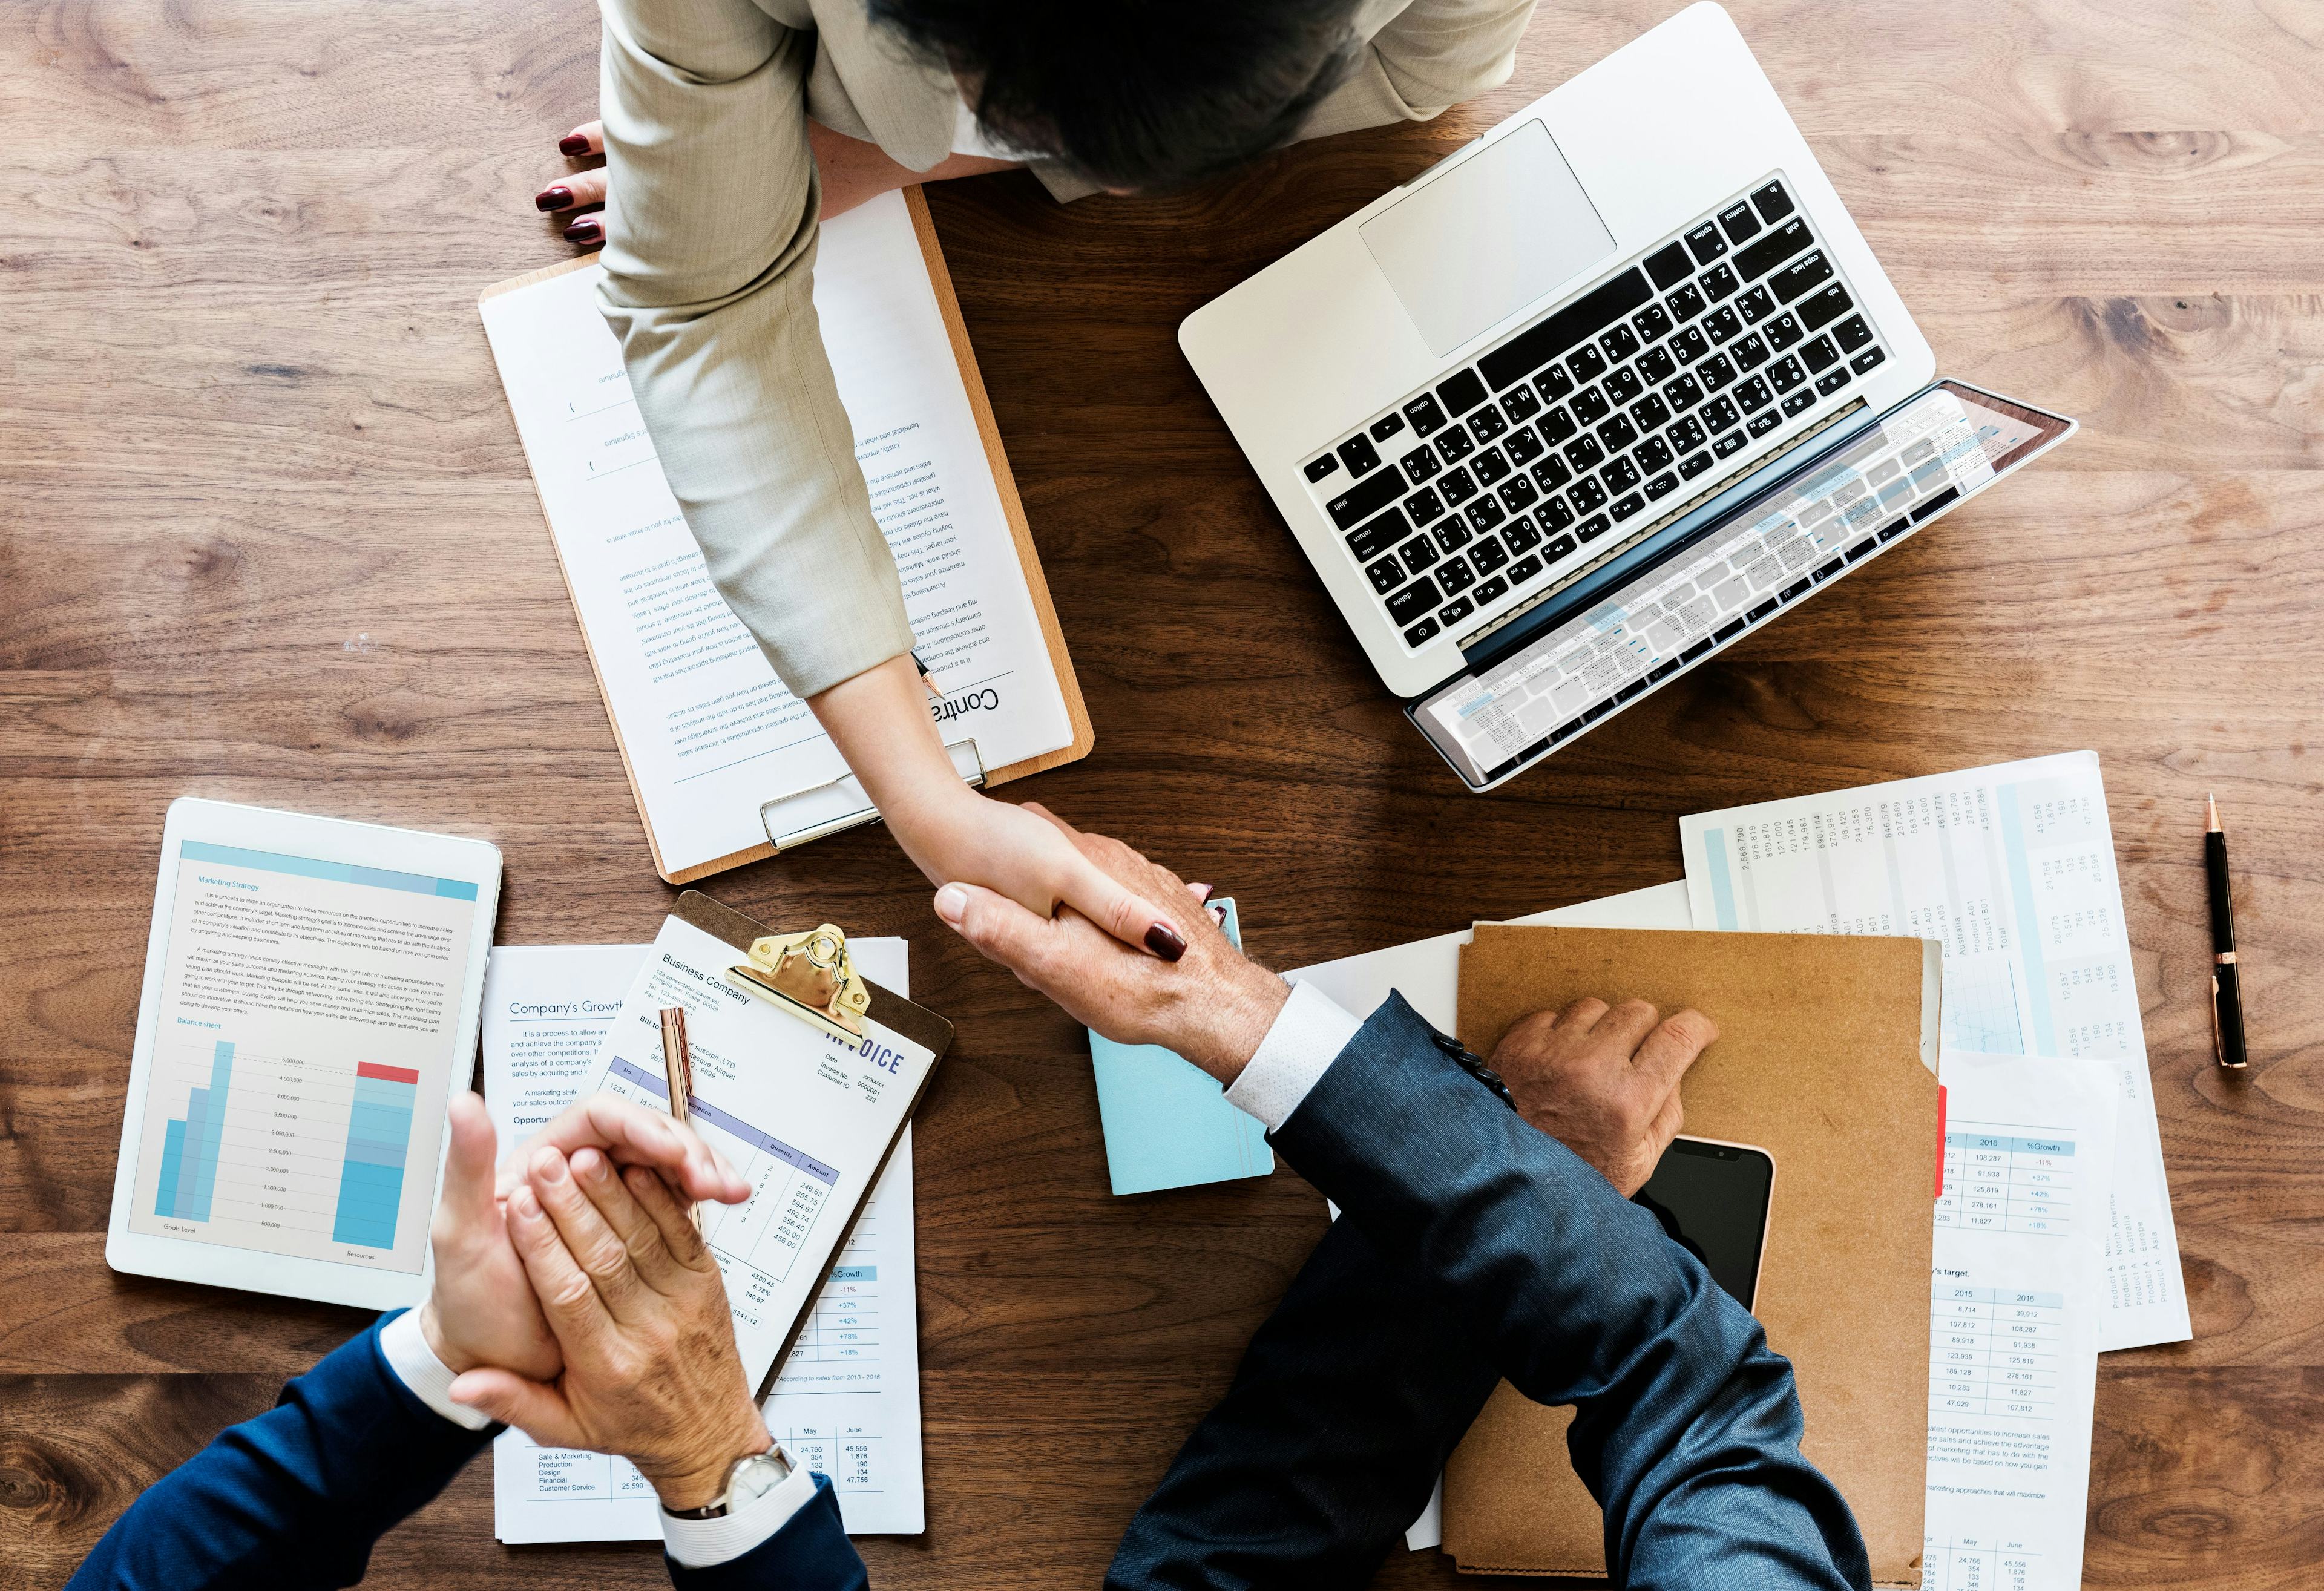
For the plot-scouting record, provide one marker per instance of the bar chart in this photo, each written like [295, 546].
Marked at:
[190, 1144]
[379, 1134]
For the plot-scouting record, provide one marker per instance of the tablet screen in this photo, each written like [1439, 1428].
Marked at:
[309, 1014]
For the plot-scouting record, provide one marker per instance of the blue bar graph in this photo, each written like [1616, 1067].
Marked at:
[190, 1146]
[371, 1177]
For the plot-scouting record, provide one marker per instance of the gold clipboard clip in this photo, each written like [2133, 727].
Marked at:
[810, 975]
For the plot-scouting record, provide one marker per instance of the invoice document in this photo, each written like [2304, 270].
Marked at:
[707, 731]
[2013, 867]
[847, 1402]
[2015, 1294]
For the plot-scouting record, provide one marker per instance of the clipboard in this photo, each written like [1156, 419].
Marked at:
[891, 1011]
[782, 835]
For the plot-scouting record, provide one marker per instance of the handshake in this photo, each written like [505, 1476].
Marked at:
[574, 1299]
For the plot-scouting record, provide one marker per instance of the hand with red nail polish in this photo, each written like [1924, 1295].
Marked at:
[576, 193]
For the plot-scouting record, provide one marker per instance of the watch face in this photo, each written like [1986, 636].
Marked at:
[757, 1475]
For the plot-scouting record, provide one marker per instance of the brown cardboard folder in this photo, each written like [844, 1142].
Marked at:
[1825, 1059]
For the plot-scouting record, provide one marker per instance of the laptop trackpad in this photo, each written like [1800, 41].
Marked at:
[1487, 238]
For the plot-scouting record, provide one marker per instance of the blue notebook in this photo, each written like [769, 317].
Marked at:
[1167, 1123]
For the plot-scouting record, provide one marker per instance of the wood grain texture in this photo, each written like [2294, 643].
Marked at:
[265, 534]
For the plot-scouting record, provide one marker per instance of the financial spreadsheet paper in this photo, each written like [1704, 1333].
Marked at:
[847, 1400]
[2012, 868]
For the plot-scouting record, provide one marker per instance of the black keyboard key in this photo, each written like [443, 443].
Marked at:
[1456, 486]
[1773, 203]
[1762, 611]
[1852, 333]
[1619, 343]
[1518, 495]
[1386, 574]
[1782, 331]
[1553, 383]
[1374, 536]
[1424, 416]
[1792, 592]
[1589, 406]
[1523, 446]
[1560, 546]
[1553, 335]
[1520, 404]
[1820, 355]
[1715, 372]
[1686, 303]
[1694, 464]
[1891, 532]
[1586, 364]
[1587, 495]
[1454, 445]
[1686, 436]
[1623, 386]
[1661, 486]
[1705, 244]
[1653, 323]
[1630, 690]
[1761, 424]
[1599, 712]
[1654, 453]
[1461, 392]
[1317, 468]
[1485, 513]
[1487, 424]
[1554, 514]
[1668, 264]
[1556, 426]
[1773, 249]
[1426, 630]
[1551, 472]
[1867, 360]
[1525, 569]
[1487, 555]
[1755, 306]
[1690, 344]
[1683, 393]
[1414, 599]
[1719, 282]
[1697, 650]
[1522, 536]
[1452, 613]
[1650, 413]
[1358, 455]
[1421, 464]
[1723, 323]
[1617, 433]
[1620, 476]
[1786, 374]
[1664, 672]
[1738, 223]
[1719, 415]
[1728, 631]
[1583, 453]
[1627, 506]
[1492, 590]
[1827, 304]
[1456, 576]
[1828, 385]
[1362, 501]
[1863, 548]
[1593, 528]
[1799, 276]
[1830, 569]
[1489, 466]
[1656, 365]
[1751, 353]
[1386, 425]
[1800, 402]
[1937, 504]
[1420, 552]
[1424, 505]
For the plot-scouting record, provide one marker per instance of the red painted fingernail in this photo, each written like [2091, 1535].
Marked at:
[1202, 891]
[573, 143]
[1163, 942]
[553, 198]
[585, 232]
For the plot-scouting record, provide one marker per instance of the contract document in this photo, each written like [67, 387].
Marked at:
[847, 1400]
[2015, 1294]
[707, 731]
[2013, 867]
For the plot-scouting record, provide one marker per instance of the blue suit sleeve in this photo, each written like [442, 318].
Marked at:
[811, 1552]
[1687, 1426]
[296, 1497]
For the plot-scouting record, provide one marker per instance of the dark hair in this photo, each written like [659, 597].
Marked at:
[1136, 94]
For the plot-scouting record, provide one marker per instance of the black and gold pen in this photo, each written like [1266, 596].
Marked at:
[2227, 986]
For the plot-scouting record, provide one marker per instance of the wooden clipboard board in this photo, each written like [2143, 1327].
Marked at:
[1013, 506]
[891, 1011]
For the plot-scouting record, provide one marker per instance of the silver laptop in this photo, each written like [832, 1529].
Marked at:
[1587, 402]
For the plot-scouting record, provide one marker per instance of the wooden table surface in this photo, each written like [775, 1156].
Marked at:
[265, 535]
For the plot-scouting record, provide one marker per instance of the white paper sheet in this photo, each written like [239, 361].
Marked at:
[847, 1403]
[2013, 867]
[2016, 1295]
[1427, 973]
[708, 730]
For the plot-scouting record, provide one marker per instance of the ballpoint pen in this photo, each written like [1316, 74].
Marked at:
[2227, 984]
[677, 1069]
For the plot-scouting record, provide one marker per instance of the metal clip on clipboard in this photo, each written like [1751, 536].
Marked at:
[809, 975]
[825, 806]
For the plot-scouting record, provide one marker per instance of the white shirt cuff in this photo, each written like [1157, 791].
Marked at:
[1307, 1036]
[416, 1366]
[698, 1543]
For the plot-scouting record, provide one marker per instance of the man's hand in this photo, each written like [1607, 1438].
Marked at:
[1212, 1006]
[1604, 1082]
[633, 1135]
[639, 1309]
[481, 1309]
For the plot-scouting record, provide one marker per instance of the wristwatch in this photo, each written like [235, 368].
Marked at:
[751, 1477]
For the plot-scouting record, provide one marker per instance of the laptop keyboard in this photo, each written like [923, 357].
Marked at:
[1589, 422]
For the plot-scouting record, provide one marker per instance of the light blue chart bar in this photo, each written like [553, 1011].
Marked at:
[379, 1137]
[268, 861]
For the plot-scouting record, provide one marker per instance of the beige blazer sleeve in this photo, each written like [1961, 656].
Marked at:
[709, 271]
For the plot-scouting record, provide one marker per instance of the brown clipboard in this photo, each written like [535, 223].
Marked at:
[1013, 506]
[891, 1011]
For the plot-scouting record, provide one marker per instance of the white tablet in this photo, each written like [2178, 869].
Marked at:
[310, 999]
